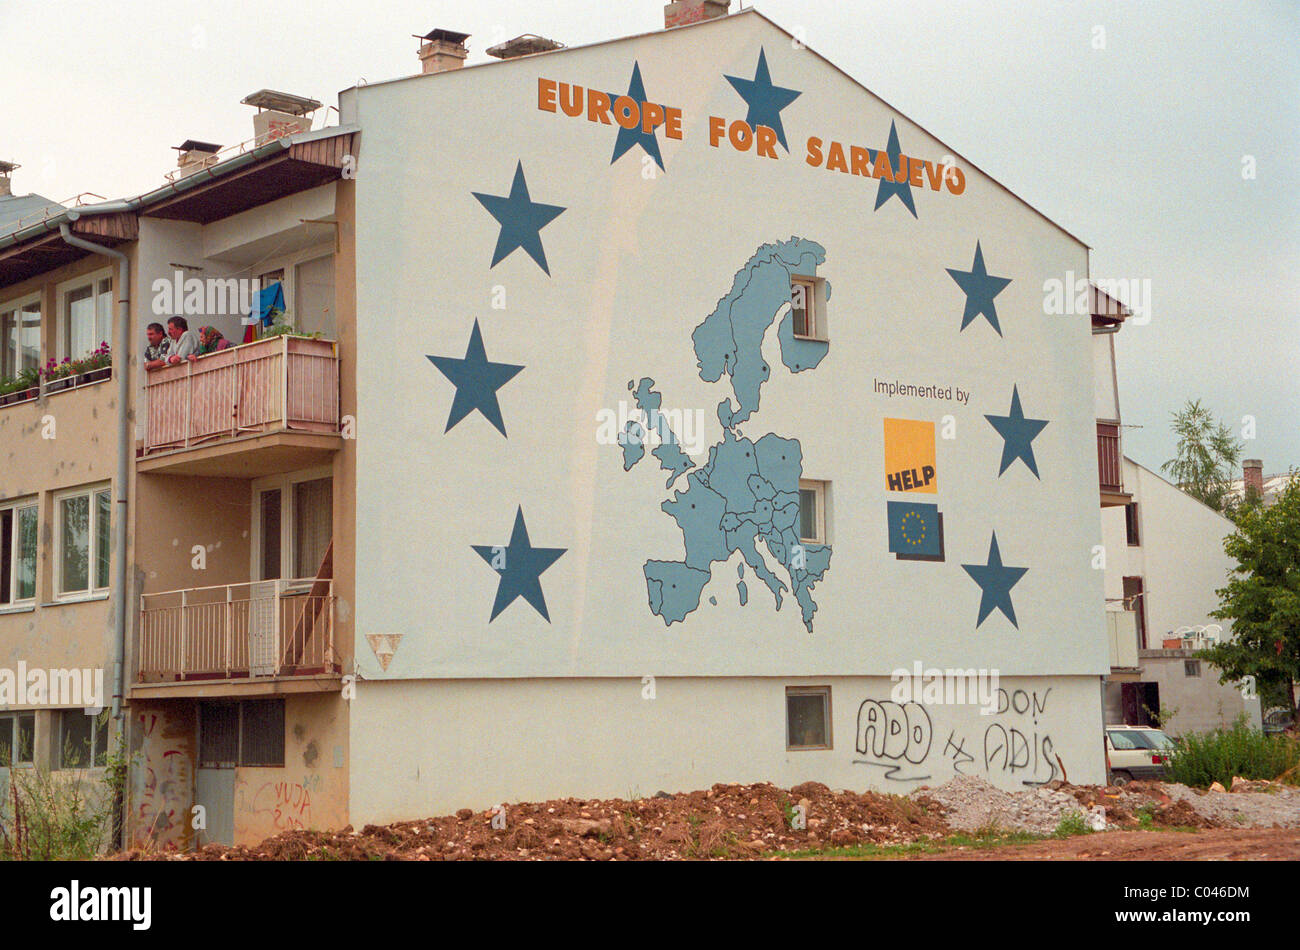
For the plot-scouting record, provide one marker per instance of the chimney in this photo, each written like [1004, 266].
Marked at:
[1252, 472]
[681, 12]
[524, 45]
[279, 114]
[442, 50]
[6, 174]
[193, 156]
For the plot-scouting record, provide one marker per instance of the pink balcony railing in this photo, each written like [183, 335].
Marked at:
[280, 383]
[265, 628]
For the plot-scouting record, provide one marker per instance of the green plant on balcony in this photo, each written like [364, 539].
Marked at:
[282, 328]
[28, 379]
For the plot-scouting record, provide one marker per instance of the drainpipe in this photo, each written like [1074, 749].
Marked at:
[125, 447]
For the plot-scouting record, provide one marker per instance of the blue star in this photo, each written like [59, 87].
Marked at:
[980, 289]
[521, 220]
[765, 100]
[520, 566]
[476, 381]
[902, 188]
[1018, 434]
[995, 583]
[635, 135]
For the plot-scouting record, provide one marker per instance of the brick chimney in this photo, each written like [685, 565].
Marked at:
[193, 156]
[441, 50]
[1252, 473]
[681, 12]
[6, 182]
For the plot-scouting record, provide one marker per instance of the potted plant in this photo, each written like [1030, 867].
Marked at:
[98, 365]
[57, 375]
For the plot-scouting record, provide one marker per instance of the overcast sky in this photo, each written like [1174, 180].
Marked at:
[1137, 147]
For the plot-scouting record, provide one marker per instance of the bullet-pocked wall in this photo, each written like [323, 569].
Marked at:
[755, 389]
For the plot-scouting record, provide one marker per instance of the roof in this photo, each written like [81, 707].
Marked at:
[281, 102]
[713, 23]
[26, 208]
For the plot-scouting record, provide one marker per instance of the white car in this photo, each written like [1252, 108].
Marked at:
[1136, 752]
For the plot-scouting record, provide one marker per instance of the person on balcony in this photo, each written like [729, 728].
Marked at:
[185, 342]
[210, 340]
[155, 354]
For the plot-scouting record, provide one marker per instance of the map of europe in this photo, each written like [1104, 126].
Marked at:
[747, 491]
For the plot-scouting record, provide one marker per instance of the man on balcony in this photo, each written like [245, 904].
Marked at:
[156, 353]
[185, 342]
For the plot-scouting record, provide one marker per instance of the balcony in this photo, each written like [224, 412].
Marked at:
[252, 410]
[259, 630]
[1110, 466]
[1122, 634]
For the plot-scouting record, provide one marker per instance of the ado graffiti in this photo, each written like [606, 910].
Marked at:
[899, 738]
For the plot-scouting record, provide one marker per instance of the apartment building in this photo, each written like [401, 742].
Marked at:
[651, 403]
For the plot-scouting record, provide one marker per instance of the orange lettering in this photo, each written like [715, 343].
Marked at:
[914, 176]
[571, 100]
[717, 127]
[674, 127]
[597, 107]
[835, 158]
[955, 180]
[814, 151]
[546, 94]
[882, 169]
[766, 142]
[651, 115]
[860, 161]
[932, 172]
[741, 135]
[626, 113]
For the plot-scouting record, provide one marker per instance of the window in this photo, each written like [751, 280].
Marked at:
[87, 317]
[83, 739]
[803, 304]
[17, 739]
[269, 508]
[1191, 667]
[293, 524]
[247, 733]
[808, 717]
[20, 338]
[82, 539]
[313, 297]
[812, 511]
[1135, 600]
[1131, 523]
[313, 524]
[18, 552]
[1124, 741]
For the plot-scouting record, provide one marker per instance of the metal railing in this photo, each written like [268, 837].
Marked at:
[263, 628]
[283, 382]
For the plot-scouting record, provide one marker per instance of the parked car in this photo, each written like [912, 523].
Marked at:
[1137, 752]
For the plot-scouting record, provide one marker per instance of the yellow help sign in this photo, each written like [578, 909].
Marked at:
[910, 456]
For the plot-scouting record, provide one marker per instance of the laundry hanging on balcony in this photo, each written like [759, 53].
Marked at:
[270, 304]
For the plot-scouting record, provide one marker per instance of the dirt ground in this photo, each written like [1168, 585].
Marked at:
[763, 821]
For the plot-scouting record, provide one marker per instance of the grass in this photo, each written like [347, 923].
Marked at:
[1072, 823]
[990, 837]
[1222, 754]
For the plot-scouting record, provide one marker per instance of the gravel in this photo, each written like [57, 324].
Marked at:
[1280, 808]
[971, 803]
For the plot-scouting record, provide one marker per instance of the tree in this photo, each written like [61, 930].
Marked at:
[1262, 598]
[1207, 456]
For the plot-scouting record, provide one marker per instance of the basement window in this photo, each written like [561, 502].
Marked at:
[807, 717]
[83, 739]
[17, 739]
[248, 733]
[1191, 667]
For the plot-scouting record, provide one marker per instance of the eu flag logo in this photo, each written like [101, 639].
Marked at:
[915, 531]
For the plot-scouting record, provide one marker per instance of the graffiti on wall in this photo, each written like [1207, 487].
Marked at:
[166, 786]
[283, 804]
[1013, 743]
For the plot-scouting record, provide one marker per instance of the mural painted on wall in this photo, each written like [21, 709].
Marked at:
[1012, 744]
[747, 492]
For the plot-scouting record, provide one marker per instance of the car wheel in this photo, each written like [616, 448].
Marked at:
[1120, 779]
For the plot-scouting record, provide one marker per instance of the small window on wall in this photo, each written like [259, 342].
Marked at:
[1131, 524]
[808, 717]
[17, 739]
[812, 511]
[1191, 667]
[246, 733]
[18, 553]
[20, 338]
[82, 738]
[83, 521]
[803, 306]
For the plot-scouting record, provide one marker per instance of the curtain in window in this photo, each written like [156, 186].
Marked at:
[313, 524]
[80, 322]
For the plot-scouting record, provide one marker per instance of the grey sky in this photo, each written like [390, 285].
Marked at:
[1137, 148]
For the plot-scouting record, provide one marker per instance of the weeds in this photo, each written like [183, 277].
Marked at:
[1072, 823]
[1222, 754]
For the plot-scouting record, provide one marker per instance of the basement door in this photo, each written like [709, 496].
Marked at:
[214, 786]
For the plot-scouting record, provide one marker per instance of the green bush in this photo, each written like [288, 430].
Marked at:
[1220, 755]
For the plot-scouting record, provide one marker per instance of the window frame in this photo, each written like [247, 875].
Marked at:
[96, 730]
[63, 319]
[13, 718]
[1132, 529]
[829, 719]
[822, 491]
[241, 706]
[1191, 669]
[14, 306]
[93, 590]
[288, 517]
[17, 506]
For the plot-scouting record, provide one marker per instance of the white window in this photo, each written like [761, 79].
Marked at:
[86, 316]
[17, 738]
[20, 337]
[82, 541]
[83, 739]
[808, 717]
[293, 523]
[808, 306]
[313, 297]
[812, 511]
[18, 532]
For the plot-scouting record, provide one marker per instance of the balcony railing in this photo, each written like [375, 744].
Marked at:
[260, 629]
[280, 383]
[1109, 462]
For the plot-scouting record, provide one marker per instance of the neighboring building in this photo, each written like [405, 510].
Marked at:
[1164, 563]
[508, 269]
[1264, 487]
